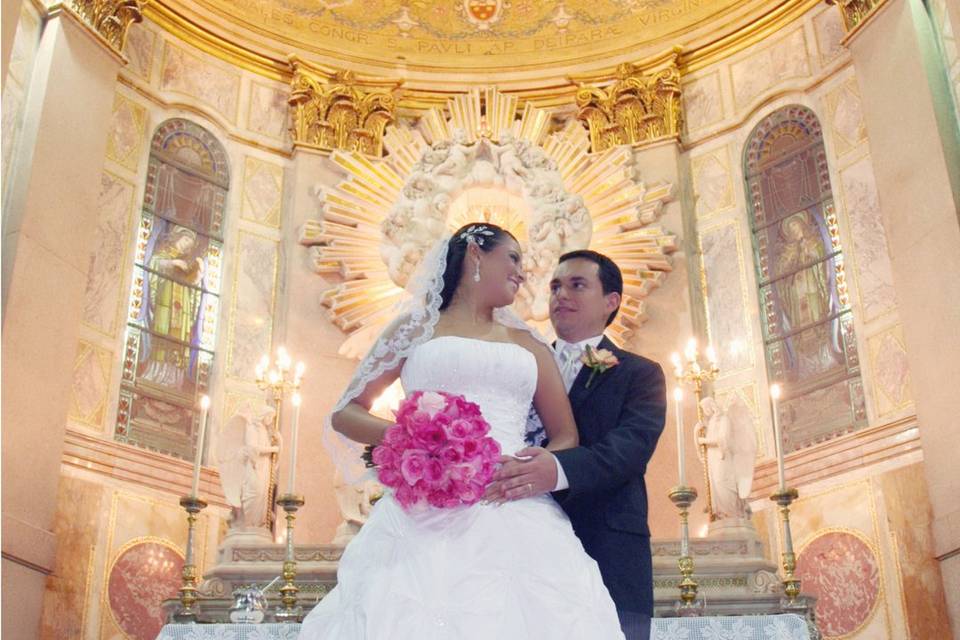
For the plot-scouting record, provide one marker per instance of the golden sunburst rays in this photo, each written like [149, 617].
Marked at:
[346, 243]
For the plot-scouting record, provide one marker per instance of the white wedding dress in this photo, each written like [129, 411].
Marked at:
[510, 572]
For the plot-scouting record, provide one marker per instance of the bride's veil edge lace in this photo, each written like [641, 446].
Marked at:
[415, 320]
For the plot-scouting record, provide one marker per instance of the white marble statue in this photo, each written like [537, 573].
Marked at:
[731, 444]
[355, 502]
[244, 453]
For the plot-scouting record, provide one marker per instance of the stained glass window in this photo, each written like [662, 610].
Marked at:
[175, 295]
[804, 304]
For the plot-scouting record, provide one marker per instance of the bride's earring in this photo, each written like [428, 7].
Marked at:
[476, 273]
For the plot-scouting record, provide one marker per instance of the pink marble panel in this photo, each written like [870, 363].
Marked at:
[143, 575]
[843, 573]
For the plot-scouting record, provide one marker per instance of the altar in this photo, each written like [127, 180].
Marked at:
[766, 627]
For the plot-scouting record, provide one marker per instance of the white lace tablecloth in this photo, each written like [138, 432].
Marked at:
[778, 627]
[781, 627]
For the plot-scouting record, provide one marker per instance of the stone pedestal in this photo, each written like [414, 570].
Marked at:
[733, 575]
[251, 558]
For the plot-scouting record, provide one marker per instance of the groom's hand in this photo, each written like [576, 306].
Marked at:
[532, 476]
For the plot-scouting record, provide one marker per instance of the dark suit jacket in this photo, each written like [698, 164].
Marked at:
[620, 418]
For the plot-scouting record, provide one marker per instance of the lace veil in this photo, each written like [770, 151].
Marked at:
[414, 321]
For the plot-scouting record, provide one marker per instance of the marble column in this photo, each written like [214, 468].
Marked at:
[48, 232]
[913, 145]
[9, 19]
[675, 313]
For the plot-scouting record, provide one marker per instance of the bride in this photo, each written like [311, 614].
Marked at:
[514, 570]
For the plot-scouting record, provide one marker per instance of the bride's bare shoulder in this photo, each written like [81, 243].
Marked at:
[529, 342]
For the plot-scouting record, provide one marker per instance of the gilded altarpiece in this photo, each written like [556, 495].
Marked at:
[805, 310]
[175, 292]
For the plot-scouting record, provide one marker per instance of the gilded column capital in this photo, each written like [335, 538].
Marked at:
[855, 12]
[110, 18]
[641, 105]
[333, 109]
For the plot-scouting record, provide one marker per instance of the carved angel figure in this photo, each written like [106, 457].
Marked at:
[244, 453]
[731, 445]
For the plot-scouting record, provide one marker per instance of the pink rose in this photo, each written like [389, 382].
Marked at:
[389, 477]
[461, 428]
[396, 437]
[412, 465]
[479, 427]
[470, 448]
[417, 421]
[433, 471]
[384, 456]
[489, 448]
[430, 437]
[451, 453]
[431, 403]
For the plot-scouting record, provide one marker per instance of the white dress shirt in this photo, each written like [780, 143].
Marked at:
[568, 359]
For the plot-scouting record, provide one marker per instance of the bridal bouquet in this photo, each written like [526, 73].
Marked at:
[438, 453]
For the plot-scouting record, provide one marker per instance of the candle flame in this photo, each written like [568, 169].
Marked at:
[691, 350]
[204, 402]
[677, 394]
[775, 391]
[296, 399]
[711, 354]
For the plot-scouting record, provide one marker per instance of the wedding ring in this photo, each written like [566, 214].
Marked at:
[529, 488]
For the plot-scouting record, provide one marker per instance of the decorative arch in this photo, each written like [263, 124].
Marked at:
[807, 321]
[175, 294]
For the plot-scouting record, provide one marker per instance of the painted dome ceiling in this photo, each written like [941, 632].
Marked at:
[478, 37]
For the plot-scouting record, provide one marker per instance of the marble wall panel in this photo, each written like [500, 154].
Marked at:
[127, 131]
[103, 296]
[845, 115]
[890, 371]
[909, 513]
[91, 380]
[726, 293]
[702, 102]
[871, 255]
[141, 44]
[22, 54]
[67, 596]
[268, 111]
[841, 568]
[214, 85]
[127, 602]
[713, 182]
[829, 33]
[262, 191]
[769, 67]
[251, 314]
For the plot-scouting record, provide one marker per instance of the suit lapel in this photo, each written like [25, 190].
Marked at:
[579, 392]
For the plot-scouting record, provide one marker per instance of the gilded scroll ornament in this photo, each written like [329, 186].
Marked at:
[638, 107]
[110, 18]
[855, 11]
[338, 111]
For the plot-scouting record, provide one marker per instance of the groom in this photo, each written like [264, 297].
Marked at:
[620, 414]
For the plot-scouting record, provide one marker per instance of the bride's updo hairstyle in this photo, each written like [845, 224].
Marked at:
[485, 235]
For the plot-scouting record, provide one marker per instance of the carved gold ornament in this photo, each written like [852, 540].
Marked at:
[339, 111]
[640, 106]
[488, 162]
[110, 18]
[855, 11]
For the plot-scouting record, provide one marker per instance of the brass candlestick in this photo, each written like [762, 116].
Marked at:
[784, 497]
[683, 497]
[274, 377]
[188, 592]
[692, 373]
[289, 610]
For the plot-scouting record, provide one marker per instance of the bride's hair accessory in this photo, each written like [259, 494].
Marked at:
[477, 233]
[428, 292]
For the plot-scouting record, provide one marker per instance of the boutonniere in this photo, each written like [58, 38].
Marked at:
[599, 360]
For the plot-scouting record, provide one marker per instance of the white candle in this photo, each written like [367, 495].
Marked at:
[711, 355]
[291, 484]
[691, 351]
[678, 398]
[204, 408]
[777, 442]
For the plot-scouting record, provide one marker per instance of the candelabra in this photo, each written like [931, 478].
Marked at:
[288, 610]
[188, 592]
[784, 497]
[683, 496]
[275, 378]
[692, 373]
